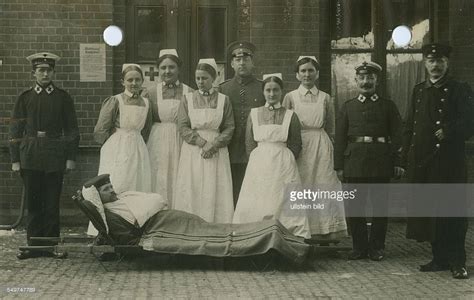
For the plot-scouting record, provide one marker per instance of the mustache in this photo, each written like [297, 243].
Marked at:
[367, 86]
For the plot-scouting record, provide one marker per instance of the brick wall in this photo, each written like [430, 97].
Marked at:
[11, 187]
[29, 26]
[461, 37]
[282, 30]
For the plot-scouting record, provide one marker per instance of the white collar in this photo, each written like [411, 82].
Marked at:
[362, 98]
[129, 94]
[274, 106]
[176, 83]
[303, 91]
[49, 89]
[210, 92]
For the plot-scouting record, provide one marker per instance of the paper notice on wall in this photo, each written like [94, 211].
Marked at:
[92, 62]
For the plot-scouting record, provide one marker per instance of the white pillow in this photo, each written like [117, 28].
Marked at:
[92, 195]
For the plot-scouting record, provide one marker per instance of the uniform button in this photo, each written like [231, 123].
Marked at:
[412, 145]
[414, 133]
[437, 145]
[242, 118]
[438, 122]
[414, 122]
[446, 89]
[416, 110]
[440, 110]
[442, 99]
[418, 100]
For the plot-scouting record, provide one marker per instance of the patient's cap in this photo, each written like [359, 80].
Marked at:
[98, 181]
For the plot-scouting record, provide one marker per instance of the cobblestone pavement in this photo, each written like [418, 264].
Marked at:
[326, 276]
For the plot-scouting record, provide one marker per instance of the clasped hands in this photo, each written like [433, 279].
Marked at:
[208, 150]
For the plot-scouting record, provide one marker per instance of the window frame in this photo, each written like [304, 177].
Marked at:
[379, 51]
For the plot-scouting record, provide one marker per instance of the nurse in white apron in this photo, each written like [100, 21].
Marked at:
[273, 140]
[122, 128]
[164, 144]
[206, 123]
[315, 111]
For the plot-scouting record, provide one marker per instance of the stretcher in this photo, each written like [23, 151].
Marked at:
[177, 232]
[103, 243]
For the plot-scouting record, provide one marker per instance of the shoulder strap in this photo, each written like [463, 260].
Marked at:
[159, 92]
[287, 119]
[220, 101]
[295, 96]
[254, 116]
[189, 98]
[120, 100]
[147, 102]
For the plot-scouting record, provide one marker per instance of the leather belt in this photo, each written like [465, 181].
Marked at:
[43, 134]
[368, 139]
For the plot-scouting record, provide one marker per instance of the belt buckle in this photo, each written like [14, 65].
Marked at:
[381, 139]
[368, 139]
[41, 134]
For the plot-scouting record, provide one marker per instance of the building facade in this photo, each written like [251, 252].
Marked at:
[339, 32]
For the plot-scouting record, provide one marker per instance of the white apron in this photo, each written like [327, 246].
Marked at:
[316, 166]
[271, 168]
[164, 145]
[124, 155]
[204, 186]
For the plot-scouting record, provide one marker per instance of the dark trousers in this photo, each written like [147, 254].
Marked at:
[238, 173]
[357, 217]
[42, 193]
[449, 245]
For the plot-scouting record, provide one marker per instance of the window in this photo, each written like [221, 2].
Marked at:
[361, 30]
[150, 32]
[211, 34]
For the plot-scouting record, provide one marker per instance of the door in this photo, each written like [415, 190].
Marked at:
[213, 28]
[195, 28]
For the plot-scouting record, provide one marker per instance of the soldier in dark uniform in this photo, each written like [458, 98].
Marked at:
[245, 93]
[44, 138]
[368, 139]
[438, 123]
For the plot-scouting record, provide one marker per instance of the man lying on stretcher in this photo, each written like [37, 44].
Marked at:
[136, 218]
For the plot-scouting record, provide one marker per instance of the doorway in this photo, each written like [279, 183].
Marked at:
[195, 28]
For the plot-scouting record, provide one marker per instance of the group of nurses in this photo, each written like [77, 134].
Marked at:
[172, 140]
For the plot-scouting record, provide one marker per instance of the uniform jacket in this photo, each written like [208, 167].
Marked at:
[44, 111]
[241, 105]
[447, 105]
[378, 118]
